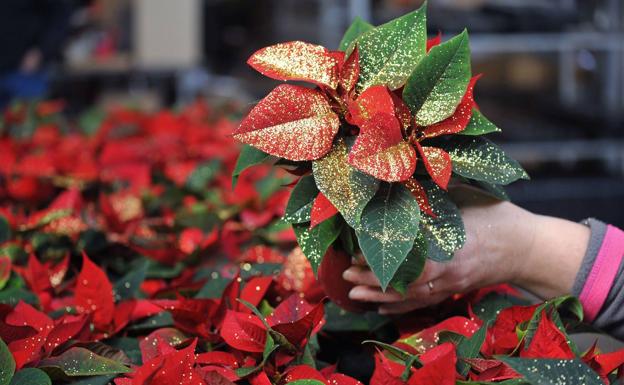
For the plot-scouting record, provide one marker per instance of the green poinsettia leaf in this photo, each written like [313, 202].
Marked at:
[31, 376]
[466, 347]
[390, 52]
[479, 125]
[5, 230]
[495, 190]
[388, 229]
[439, 82]
[355, 30]
[412, 267]
[82, 362]
[348, 189]
[301, 199]
[7, 364]
[480, 159]
[553, 371]
[445, 233]
[248, 157]
[315, 242]
[306, 382]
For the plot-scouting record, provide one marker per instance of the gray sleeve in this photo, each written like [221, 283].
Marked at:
[611, 315]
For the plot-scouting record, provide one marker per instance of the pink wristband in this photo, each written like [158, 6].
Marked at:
[603, 272]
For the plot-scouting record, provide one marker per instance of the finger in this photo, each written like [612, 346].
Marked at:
[358, 259]
[412, 304]
[360, 276]
[435, 286]
[432, 271]
[370, 294]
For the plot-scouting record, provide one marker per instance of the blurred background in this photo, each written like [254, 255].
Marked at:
[554, 70]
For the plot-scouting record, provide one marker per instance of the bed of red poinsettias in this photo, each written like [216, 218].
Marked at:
[126, 257]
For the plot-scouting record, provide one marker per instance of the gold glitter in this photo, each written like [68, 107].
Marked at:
[390, 52]
[439, 82]
[418, 191]
[297, 60]
[127, 206]
[438, 164]
[292, 122]
[446, 230]
[480, 159]
[345, 187]
[392, 164]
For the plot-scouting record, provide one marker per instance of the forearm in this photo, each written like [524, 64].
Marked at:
[554, 250]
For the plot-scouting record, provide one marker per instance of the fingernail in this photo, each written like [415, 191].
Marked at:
[356, 293]
[382, 311]
[347, 274]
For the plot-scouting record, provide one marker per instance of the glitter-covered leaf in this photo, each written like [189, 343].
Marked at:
[445, 233]
[243, 331]
[437, 85]
[438, 164]
[355, 30]
[315, 241]
[297, 60]
[412, 266]
[421, 196]
[301, 199]
[390, 52]
[94, 293]
[478, 158]
[78, 362]
[479, 125]
[350, 71]
[553, 371]
[292, 122]
[380, 150]
[348, 189]
[460, 118]
[322, 209]
[388, 229]
[248, 157]
[374, 100]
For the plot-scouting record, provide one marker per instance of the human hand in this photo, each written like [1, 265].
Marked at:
[497, 235]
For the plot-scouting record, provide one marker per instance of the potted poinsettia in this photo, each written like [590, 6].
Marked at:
[383, 125]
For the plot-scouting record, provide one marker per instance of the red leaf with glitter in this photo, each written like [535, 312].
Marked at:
[63, 332]
[94, 294]
[292, 122]
[297, 60]
[380, 150]
[490, 370]
[350, 72]
[548, 342]
[459, 120]
[373, 100]
[438, 367]
[254, 291]
[296, 319]
[432, 42]
[438, 164]
[243, 331]
[606, 363]
[341, 379]
[194, 316]
[421, 196]
[302, 372]
[217, 358]
[322, 209]
[149, 345]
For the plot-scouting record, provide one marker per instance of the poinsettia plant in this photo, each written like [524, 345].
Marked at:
[389, 120]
